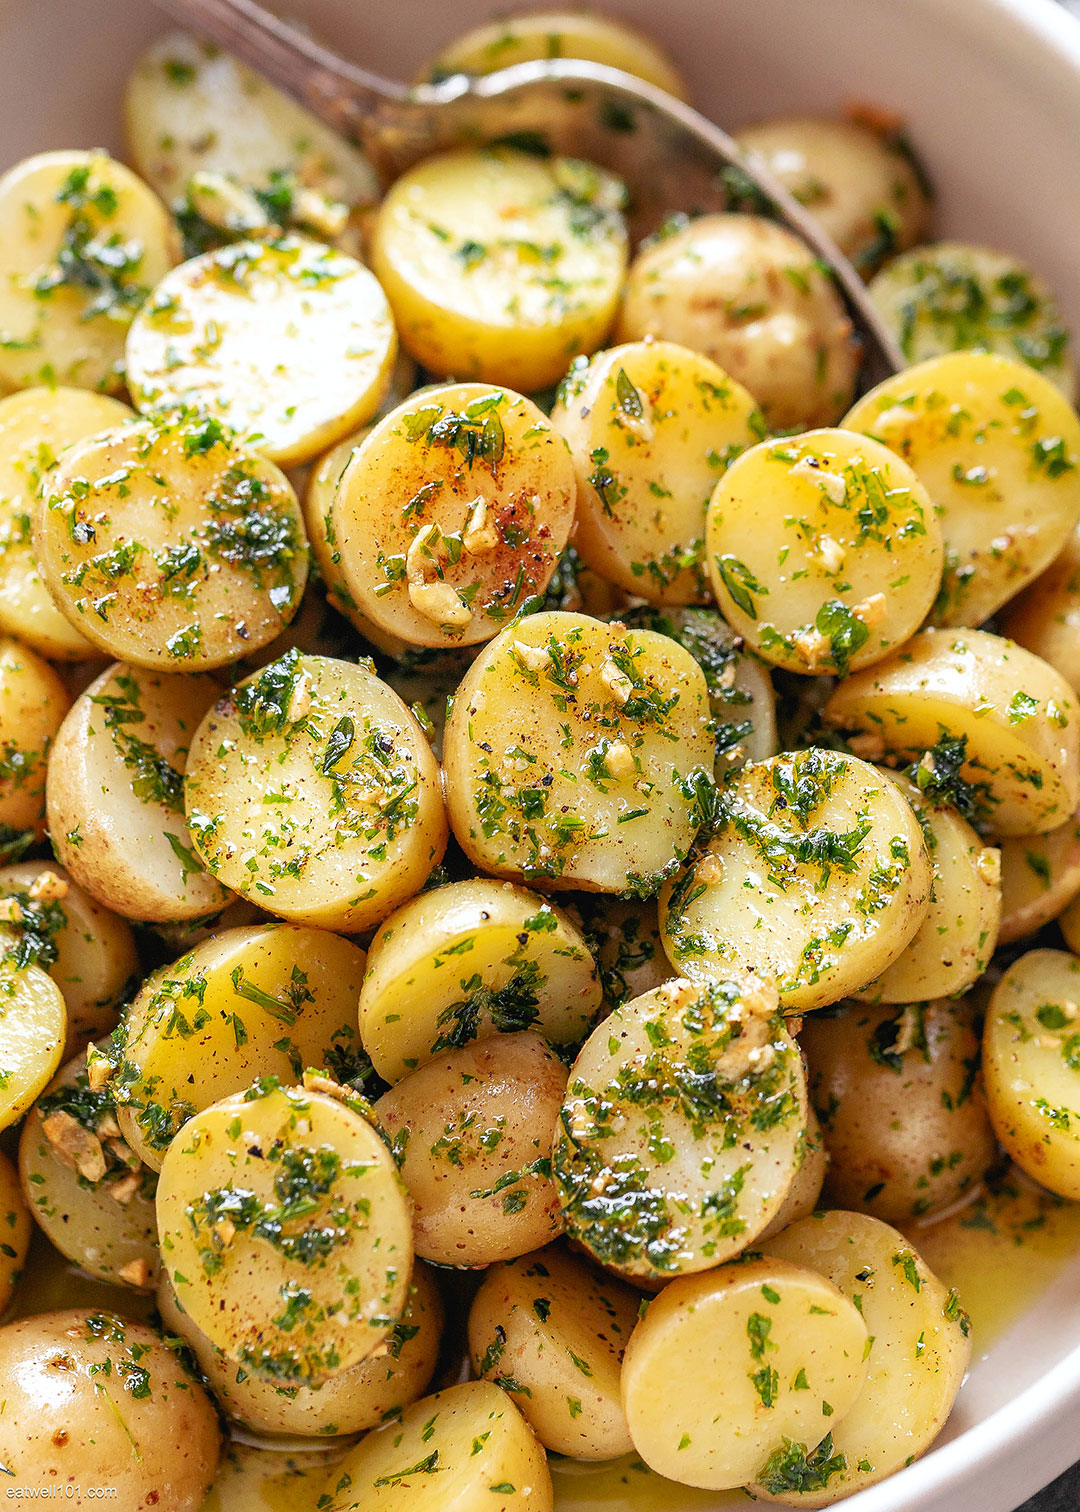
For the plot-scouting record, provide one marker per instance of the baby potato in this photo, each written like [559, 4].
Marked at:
[33, 1025]
[33, 702]
[169, 546]
[84, 241]
[15, 1231]
[1040, 876]
[288, 342]
[94, 1400]
[471, 1133]
[919, 1352]
[862, 185]
[192, 108]
[115, 795]
[682, 1128]
[740, 690]
[623, 935]
[552, 1331]
[36, 426]
[471, 960]
[952, 296]
[350, 1401]
[751, 296]
[817, 875]
[501, 266]
[651, 427]
[1031, 1066]
[897, 1091]
[451, 514]
[88, 951]
[466, 1449]
[311, 790]
[851, 560]
[557, 34]
[286, 1231]
[997, 447]
[84, 1184]
[1045, 618]
[579, 754]
[952, 946]
[805, 1190]
[247, 1003]
[771, 1348]
[994, 728]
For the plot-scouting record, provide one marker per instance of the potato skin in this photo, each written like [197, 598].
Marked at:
[901, 1105]
[70, 1419]
[33, 702]
[465, 1122]
[748, 294]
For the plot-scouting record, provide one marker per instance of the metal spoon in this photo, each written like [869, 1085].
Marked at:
[670, 157]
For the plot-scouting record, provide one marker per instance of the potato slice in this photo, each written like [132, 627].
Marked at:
[350, 1401]
[88, 951]
[919, 1352]
[579, 754]
[623, 935]
[952, 946]
[952, 296]
[651, 427]
[1045, 618]
[740, 690]
[472, 1132]
[994, 728]
[1031, 1065]
[33, 702]
[861, 184]
[682, 1128]
[288, 342]
[84, 241]
[466, 1449]
[169, 546]
[16, 1228]
[748, 294]
[552, 1331]
[451, 514]
[115, 795]
[805, 1190]
[191, 108]
[997, 447]
[85, 1185]
[500, 265]
[823, 551]
[468, 961]
[1040, 876]
[36, 426]
[557, 34]
[33, 1024]
[286, 1231]
[248, 1003]
[311, 790]
[817, 876]
[898, 1094]
[124, 1414]
[772, 1349]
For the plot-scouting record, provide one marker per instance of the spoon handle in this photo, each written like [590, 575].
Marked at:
[339, 92]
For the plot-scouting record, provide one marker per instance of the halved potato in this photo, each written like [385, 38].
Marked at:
[287, 342]
[1040, 876]
[33, 702]
[170, 546]
[115, 795]
[33, 1025]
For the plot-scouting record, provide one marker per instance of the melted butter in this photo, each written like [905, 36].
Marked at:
[1000, 1251]
[629, 1486]
[266, 1480]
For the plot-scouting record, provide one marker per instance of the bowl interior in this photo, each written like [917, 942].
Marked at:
[991, 92]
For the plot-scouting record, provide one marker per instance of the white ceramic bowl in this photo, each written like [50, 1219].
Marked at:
[991, 90]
